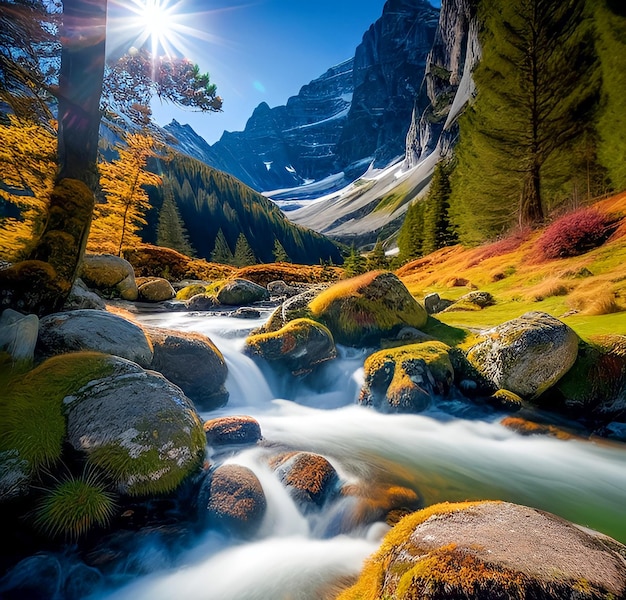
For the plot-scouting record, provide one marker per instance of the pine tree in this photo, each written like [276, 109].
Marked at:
[411, 235]
[437, 229]
[243, 253]
[377, 259]
[222, 254]
[611, 127]
[536, 85]
[117, 221]
[280, 254]
[354, 264]
[171, 232]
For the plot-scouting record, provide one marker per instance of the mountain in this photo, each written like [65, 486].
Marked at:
[208, 202]
[357, 113]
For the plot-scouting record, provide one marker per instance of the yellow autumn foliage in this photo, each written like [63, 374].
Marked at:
[27, 170]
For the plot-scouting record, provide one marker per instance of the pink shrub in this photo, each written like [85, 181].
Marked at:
[574, 234]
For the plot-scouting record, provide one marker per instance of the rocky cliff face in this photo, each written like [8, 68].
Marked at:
[356, 112]
[389, 67]
[447, 83]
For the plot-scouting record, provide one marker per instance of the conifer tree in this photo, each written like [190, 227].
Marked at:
[117, 221]
[411, 235]
[243, 253]
[280, 254]
[377, 259]
[171, 232]
[437, 231]
[354, 264]
[536, 85]
[222, 254]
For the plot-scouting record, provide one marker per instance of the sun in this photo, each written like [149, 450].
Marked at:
[157, 20]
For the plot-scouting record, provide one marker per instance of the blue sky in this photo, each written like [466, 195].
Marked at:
[263, 50]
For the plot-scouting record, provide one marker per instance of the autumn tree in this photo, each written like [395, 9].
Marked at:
[536, 86]
[27, 167]
[117, 221]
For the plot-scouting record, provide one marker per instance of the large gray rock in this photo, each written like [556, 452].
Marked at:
[82, 297]
[110, 274]
[95, 330]
[193, 362]
[138, 428]
[526, 355]
[18, 334]
[238, 292]
[493, 550]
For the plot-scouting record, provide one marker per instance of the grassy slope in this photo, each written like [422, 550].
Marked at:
[593, 283]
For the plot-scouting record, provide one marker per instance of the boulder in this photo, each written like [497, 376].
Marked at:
[238, 292]
[189, 291]
[526, 355]
[18, 334]
[245, 312]
[363, 310]
[232, 499]
[296, 307]
[155, 289]
[492, 550]
[310, 479]
[93, 330]
[110, 274]
[595, 387]
[473, 301]
[431, 303]
[139, 429]
[82, 297]
[227, 431]
[201, 302]
[193, 363]
[299, 346]
[280, 288]
[407, 378]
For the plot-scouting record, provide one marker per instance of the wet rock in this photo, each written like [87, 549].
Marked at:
[363, 310]
[299, 346]
[38, 577]
[280, 288]
[155, 289]
[526, 355]
[505, 400]
[408, 378]
[292, 308]
[139, 429]
[111, 274]
[82, 297]
[95, 330]
[238, 292]
[192, 362]
[489, 550]
[202, 302]
[238, 430]
[233, 500]
[245, 312]
[527, 428]
[18, 334]
[310, 478]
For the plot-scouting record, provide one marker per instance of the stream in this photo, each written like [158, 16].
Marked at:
[457, 454]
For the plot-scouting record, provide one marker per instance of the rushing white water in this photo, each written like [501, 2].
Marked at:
[440, 456]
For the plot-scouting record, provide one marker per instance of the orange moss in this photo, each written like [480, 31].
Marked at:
[289, 273]
[525, 427]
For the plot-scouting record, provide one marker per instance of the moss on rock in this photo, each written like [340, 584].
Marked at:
[362, 310]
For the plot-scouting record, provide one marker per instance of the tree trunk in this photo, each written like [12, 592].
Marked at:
[531, 209]
[83, 37]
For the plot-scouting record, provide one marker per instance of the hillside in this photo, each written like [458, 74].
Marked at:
[209, 201]
[587, 291]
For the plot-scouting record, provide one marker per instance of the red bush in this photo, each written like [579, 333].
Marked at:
[575, 234]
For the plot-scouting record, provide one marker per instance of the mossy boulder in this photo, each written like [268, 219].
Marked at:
[155, 289]
[232, 499]
[407, 378]
[310, 479]
[230, 431]
[137, 428]
[363, 310]
[527, 355]
[595, 387]
[299, 346]
[192, 362]
[238, 292]
[488, 551]
[293, 308]
[95, 330]
[189, 291]
[110, 274]
[32, 424]
[473, 301]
